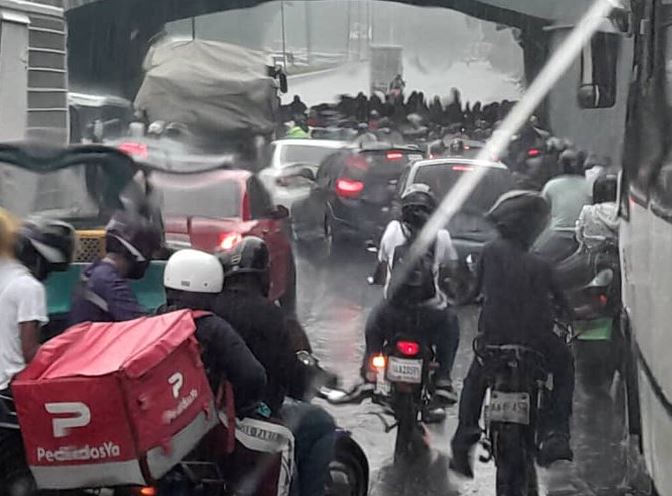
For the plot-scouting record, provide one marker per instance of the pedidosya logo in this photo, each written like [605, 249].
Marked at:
[66, 417]
[176, 382]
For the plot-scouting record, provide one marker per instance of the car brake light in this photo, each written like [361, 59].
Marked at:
[408, 348]
[228, 240]
[134, 149]
[145, 491]
[378, 362]
[462, 168]
[533, 152]
[394, 155]
[348, 188]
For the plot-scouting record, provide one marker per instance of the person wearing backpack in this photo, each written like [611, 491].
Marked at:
[413, 299]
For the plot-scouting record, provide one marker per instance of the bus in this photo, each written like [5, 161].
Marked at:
[646, 239]
[33, 75]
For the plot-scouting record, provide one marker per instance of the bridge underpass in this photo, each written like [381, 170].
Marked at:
[108, 39]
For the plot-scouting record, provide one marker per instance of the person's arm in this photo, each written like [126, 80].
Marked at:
[233, 360]
[31, 315]
[122, 302]
[30, 339]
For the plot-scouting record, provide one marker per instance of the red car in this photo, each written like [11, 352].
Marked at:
[214, 210]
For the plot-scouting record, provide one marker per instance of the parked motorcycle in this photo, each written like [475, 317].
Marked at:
[514, 402]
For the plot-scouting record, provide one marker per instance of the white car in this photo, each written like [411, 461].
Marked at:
[289, 157]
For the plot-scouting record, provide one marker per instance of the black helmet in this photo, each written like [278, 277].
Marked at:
[45, 245]
[456, 146]
[417, 205]
[135, 237]
[605, 188]
[436, 148]
[520, 215]
[249, 256]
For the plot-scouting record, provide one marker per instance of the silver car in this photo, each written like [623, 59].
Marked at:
[289, 157]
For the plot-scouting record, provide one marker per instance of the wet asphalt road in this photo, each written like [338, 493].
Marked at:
[334, 301]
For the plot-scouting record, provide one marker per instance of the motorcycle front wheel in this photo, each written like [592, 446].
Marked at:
[514, 457]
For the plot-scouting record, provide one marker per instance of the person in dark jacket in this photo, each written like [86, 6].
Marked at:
[105, 293]
[274, 341]
[193, 279]
[521, 300]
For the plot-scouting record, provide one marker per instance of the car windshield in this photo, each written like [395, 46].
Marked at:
[304, 154]
[197, 195]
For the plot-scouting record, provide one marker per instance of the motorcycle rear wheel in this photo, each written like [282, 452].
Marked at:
[410, 435]
[15, 476]
[514, 457]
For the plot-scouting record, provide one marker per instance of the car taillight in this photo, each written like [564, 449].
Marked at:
[378, 362]
[408, 348]
[136, 150]
[533, 152]
[349, 188]
[462, 168]
[394, 156]
[228, 240]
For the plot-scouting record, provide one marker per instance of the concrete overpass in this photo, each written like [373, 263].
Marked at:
[109, 38]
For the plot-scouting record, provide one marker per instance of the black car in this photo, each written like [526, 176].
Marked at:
[352, 194]
[468, 228]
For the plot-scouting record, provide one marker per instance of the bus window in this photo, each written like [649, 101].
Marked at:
[597, 86]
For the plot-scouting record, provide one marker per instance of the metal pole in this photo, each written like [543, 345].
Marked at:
[284, 41]
[347, 42]
[193, 27]
[309, 35]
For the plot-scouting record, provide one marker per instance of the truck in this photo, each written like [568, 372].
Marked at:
[223, 96]
[386, 63]
[34, 78]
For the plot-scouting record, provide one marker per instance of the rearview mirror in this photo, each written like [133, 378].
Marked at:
[283, 82]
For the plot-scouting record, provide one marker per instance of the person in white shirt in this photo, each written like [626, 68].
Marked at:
[413, 300]
[39, 247]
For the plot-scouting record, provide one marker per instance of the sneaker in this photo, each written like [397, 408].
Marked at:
[461, 463]
[444, 393]
[554, 447]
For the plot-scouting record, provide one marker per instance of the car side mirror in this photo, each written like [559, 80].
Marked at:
[280, 212]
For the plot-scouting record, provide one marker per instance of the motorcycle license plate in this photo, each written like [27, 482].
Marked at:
[513, 408]
[404, 370]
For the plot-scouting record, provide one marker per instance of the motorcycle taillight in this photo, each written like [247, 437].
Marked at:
[408, 348]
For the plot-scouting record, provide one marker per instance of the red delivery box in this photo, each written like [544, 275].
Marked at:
[108, 404]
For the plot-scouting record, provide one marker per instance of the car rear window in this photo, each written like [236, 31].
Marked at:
[303, 154]
[442, 177]
[198, 195]
[379, 163]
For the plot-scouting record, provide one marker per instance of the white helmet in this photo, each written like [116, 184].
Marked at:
[194, 271]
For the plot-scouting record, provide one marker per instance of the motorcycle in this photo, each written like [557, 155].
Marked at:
[403, 386]
[214, 467]
[592, 286]
[514, 402]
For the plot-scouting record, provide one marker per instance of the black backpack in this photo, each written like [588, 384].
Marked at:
[414, 283]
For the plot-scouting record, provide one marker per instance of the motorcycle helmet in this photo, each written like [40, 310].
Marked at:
[605, 188]
[456, 147]
[135, 237]
[520, 215]
[193, 271]
[45, 245]
[417, 205]
[436, 149]
[250, 256]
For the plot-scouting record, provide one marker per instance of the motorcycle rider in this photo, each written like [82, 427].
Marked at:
[193, 279]
[245, 305]
[105, 294]
[598, 223]
[566, 194]
[39, 247]
[424, 310]
[520, 301]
